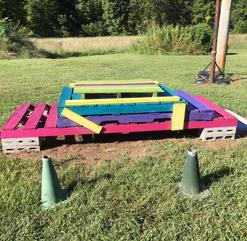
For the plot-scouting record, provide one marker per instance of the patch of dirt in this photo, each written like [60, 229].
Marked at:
[128, 147]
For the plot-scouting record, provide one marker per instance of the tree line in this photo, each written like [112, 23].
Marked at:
[64, 18]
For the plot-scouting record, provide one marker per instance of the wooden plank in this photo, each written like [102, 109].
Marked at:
[16, 117]
[120, 109]
[192, 100]
[65, 95]
[81, 121]
[35, 117]
[77, 96]
[51, 121]
[169, 91]
[121, 101]
[178, 116]
[118, 89]
[113, 128]
[112, 82]
[216, 108]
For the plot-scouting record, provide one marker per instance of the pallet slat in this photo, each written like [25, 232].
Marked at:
[118, 89]
[216, 108]
[35, 117]
[51, 120]
[121, 101]
[16, 117]
[81, 121]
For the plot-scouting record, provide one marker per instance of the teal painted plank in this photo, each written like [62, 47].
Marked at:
[121, 109]
[65, 95]
[169, 91]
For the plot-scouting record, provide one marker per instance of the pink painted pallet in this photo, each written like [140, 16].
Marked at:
[41, 121]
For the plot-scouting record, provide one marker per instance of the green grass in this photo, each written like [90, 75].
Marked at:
[127, 199]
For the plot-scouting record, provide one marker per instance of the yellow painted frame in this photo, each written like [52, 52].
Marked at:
[121, 101]
[139, 81]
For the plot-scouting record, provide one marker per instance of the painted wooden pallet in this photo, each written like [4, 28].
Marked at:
[45, 124]
[196, 110]
[72, 106]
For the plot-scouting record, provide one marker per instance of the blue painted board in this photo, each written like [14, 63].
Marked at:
[120, 109]
[65, 95]
[169, 91]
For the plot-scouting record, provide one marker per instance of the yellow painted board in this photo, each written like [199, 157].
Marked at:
[178, 116]
[121, 101]
[139, 81]
[81, 121]
[118, 89]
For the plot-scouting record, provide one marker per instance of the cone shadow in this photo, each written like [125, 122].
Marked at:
[209, 179]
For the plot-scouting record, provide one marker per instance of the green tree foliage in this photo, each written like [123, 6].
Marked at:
[55, 18]
[90, 17]
[13, 9]
[239, 16]
[42, 17]
[203, 11]
[116, 14]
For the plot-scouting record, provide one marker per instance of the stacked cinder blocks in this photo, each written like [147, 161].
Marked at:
[220, 133]
[13, 145]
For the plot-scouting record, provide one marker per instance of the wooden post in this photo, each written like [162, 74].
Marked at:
[223, 33]
[214, 46]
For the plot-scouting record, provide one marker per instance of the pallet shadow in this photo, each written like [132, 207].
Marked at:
[215, 176]
[111, 138]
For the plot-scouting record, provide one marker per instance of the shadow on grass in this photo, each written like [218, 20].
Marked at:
[80, 182]
[69, 54]
[52, 142]
[209, 179]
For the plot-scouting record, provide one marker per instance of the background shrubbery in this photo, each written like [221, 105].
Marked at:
[194, 39]
[14, 41]
[64, 18]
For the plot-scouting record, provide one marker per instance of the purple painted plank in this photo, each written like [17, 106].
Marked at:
[116, 84]
[197, 109]
[51, 121]
[195, 102]
[35, 117]
[135, 118]
[122, 119]
[17, 116]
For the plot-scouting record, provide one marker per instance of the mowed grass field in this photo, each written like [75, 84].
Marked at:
[128, 198]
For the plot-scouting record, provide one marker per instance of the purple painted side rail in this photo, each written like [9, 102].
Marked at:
[196, 108]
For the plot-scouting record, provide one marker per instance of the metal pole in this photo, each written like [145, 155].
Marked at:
[214, 46]
[223, 33]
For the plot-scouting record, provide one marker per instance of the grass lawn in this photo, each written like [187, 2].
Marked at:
[127, 199]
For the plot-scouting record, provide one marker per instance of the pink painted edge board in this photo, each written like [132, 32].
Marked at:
[51, 121]
[16, 117]
[216, 108]
[114, 128]
[35, 116]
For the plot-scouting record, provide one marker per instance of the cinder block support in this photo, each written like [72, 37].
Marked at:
[15, 145]
[220, 133]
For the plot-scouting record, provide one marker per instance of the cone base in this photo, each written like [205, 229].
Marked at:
[46, 205]
[200, 196]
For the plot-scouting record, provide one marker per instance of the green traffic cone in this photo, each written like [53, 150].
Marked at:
[190, 186]
[51, 191]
